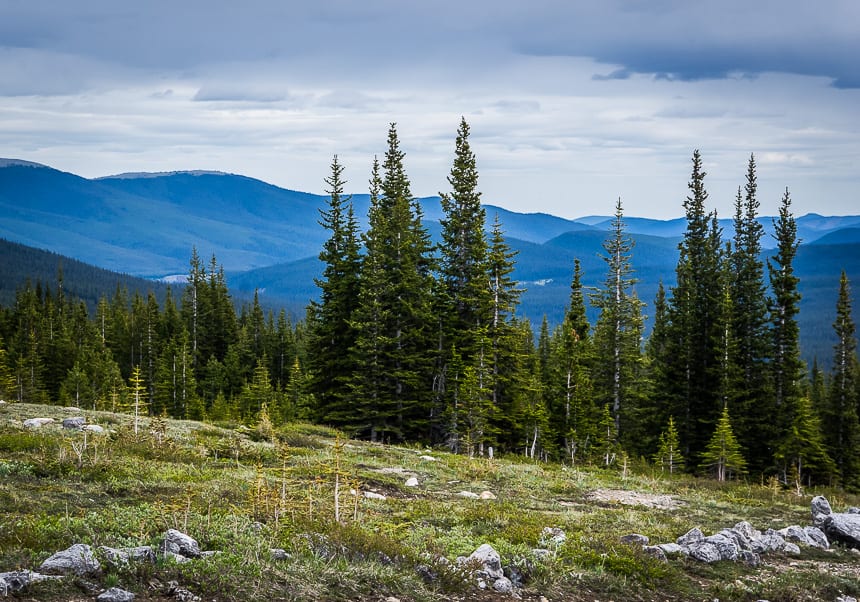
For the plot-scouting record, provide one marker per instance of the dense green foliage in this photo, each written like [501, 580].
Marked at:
[411, 341]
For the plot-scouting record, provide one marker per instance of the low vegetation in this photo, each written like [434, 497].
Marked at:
[243, 491]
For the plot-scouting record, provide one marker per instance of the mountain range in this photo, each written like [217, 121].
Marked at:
[267, 238]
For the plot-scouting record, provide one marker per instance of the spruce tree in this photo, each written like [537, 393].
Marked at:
[783, 305]
[331, 318]
[802, 452]
[749, 326]
[841, 420]
[463, 252]
[723, 456]
[619, 328]
[691, 380]
[668, 455]
[568, 378]
[395, 323]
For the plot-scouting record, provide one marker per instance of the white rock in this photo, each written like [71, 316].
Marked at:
[373, 496]
[411, 482]
[77, 559]
[115, 594]
[489, 559]
[93, 428]
[468, 495]
[428, 458]
[487, 495]
[179, 543]
[503, 585]
[35, 423]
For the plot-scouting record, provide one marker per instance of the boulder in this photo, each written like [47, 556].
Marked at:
[122, 557]
[17, 581]
[844, 528]
[635, 539]
[820, 510]
[487, 495]
[74, 423]
[725, 545]
[411, 482]
[35, 423]
[655, 552]
[704, 551]
[503, 585]
[115, 594]
[488, 560]
[468, 495]
[372, 495]
[176, 542]
[817, 538]
[670, 549]
[93, 428]
[77, 559]
[692, 536]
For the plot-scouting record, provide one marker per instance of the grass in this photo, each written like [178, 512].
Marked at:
[243, 494]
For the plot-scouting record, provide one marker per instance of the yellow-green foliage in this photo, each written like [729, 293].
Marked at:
[243, 494]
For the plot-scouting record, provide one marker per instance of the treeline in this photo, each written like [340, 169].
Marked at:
[411, 341]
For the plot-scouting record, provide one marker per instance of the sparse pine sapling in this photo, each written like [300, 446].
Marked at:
[668, 454]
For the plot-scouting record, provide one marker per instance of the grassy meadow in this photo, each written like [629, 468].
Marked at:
[243, 491]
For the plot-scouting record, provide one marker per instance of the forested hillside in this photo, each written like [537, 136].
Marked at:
[411, 340]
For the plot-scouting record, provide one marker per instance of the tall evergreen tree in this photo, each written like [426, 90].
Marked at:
[330, 318]
[691, 381]
[568, 378]
[394, 320]
[841, 420]
[783, 305]
[619, 328]
[749, 326]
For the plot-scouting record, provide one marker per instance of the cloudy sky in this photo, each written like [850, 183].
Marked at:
[572, 103]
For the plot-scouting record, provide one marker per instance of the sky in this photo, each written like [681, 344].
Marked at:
[572, 104]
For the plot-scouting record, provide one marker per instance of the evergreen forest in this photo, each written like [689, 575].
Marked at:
[411, 341]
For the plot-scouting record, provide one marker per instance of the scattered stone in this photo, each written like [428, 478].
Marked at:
[180, 593]
[93, 428]
[115, 594]
[541, 554]
[503, 585]
[853, 510]
[749, 558]
[371, 495]
[209, 553]
[671, 549]
[36, 423]
[279, 554]
[820, 510]
[846, 599]
[74, 423]
[469, 495]
[489, 561]
[519, 573]
[817, 538]
[174, 557]
[392, 599]
[635, 539]
[179, 543]
[77, 559]
[690, 537]
[429, 458]
[655, 552]
[704, 551]
[18, 581]
[552, 537]
[411, 482]
[487, 495]
[122, 557]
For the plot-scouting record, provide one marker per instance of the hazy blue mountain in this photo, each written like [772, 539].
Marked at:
[268, 238]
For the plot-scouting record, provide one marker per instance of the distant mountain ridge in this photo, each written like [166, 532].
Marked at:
[268, 238]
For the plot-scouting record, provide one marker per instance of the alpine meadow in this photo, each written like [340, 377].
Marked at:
[374, 445]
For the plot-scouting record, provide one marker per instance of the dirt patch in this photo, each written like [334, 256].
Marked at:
[634, 498]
